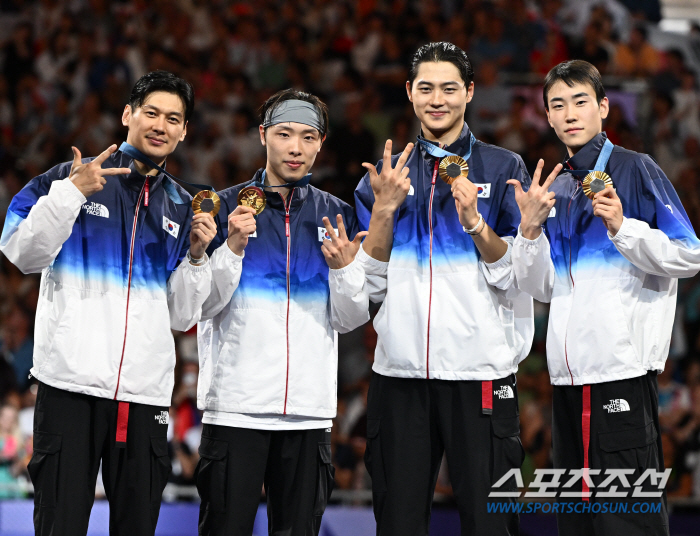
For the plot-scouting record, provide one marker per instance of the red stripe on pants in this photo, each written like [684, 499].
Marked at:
[586, 431]
[487, 397]
[122, 422]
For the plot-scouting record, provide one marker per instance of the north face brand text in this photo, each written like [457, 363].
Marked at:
[163, 418]
[617, 405]
[504, 392]
[96, 209]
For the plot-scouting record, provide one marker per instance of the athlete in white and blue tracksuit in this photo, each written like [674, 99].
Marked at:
[268, 336]
[609, 268]
[451, 331]
[114, 282]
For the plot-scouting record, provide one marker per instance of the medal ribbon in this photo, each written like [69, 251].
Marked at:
[600, 164]
[134, 153]
[301, 182]
[437, 152]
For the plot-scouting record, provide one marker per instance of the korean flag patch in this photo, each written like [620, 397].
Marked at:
[323, 234]
[483, 190]
[170, 227]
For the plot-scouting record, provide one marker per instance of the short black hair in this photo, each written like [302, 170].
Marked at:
[442, 51]
[294, 94]
[163, 81]
[574, 72]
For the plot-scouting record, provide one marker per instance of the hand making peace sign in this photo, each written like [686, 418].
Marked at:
[339, 251]
[536, 203]
[89, 177]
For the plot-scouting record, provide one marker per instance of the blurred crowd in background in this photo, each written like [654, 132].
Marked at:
[68, 67]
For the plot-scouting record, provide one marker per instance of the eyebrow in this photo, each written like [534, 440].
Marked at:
[155, 108]
[442, 84]
[577, 96]
[286, 126]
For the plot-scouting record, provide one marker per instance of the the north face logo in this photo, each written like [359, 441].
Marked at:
[504, 392]
[617, 405]
[163, 418]
[96, 209]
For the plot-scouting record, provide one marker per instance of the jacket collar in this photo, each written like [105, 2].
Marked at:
[460, 146]
[275, 201]
[587, 156]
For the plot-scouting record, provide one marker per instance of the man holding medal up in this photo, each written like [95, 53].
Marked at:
[604, 240]
[452, 327]
[109, 235]
[267, 345]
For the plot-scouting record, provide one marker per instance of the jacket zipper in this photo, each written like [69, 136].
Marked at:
[287, 206]
[144, 191]
[571, 276]
[430, 263]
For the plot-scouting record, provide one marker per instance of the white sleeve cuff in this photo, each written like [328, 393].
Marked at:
[623, 231]
[503, 261]
[69, 192]
[527, 241]
[371, 265]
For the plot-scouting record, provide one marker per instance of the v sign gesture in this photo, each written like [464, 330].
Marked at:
[339, 250]
[536, 203]
[89, 177]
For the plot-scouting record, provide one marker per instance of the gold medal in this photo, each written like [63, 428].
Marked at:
[596, 181]
[452, 167]
[254, 197]
[206, 201]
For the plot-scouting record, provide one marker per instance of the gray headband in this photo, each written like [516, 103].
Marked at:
[294, 111]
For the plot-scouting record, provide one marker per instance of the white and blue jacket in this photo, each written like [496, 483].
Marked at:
[612, 298]
[445, 313]
[112, 280]
[268, 342]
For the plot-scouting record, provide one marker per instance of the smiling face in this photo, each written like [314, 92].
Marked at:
[291, 150]
[440, 97]
[574, 114]
[157, 126]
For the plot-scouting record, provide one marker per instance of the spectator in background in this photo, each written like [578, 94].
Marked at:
[17, 345]
[637, 57]
[11, 452]
[674, 398]
[590, 47]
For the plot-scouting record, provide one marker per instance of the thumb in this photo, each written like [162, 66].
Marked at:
[359, 236]
[515, 184]
[77, 157]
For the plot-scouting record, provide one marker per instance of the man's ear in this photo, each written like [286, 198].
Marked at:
[261, 129]
[321, 144]
[184, 132]
[546, 110]
[470, 91]
[408, 90]
[126, 115]
[604, 108]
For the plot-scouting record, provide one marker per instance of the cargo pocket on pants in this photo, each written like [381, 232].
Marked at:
[633, 448]
[627, 449]
[326, 479]
[211, 474]
[160, 469]
[43, 468]
[508, 452]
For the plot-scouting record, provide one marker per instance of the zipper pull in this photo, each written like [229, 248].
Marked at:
[146, 193]
[286, 223]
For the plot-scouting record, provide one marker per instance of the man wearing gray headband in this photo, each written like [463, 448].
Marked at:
[267, 339]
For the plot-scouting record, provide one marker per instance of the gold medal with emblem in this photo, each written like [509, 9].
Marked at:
[596, 181]
[254, 197]
[206, 201]
[453, 167]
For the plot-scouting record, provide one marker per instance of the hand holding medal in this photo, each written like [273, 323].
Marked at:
[206, 201]
[596, 181]
[253, 197]
[453, 167]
